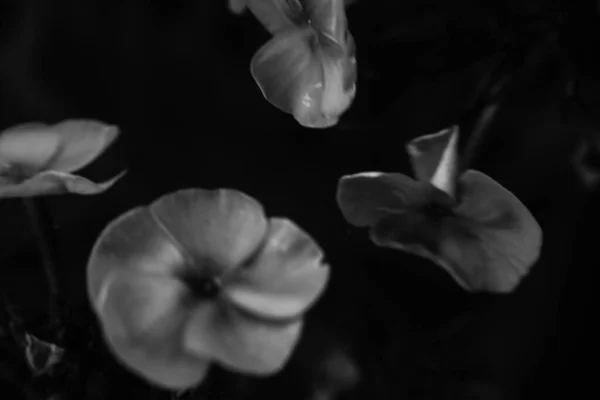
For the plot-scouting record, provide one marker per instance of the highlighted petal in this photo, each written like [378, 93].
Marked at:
[329, 18]
[498, 240]
[434, 159]
[81, 142]
[53, 183]
[240, 342]
[141, 316]
[224, 226]
[29, 147]
[285, 278]
[296, 77]
[275, 15]
[366, 197]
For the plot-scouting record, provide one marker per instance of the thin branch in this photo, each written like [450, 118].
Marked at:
[42, 231]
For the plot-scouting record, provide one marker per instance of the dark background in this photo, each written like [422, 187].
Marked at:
[174, 75]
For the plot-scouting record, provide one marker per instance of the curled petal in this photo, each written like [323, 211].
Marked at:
[499, 240]
[29, 146]
[275, 15]
[366, 197]
[296, 77]
[132, 242]
[224, 226]
[434, 159]
[285, 278]
[240, 342]
[81, 142]
[65, 147]
[54, 182]
[141, 316]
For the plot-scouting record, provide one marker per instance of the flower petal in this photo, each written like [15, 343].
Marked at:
[285, 278]
[54, 182]
[81, 142]
[224, 226]
[29, 146]
[275, 15]
[142, 316]
[499, 240]
[434, 158]
[295, 76]
[240, 342]
[328, 17]
[365, 197]
[133, 242]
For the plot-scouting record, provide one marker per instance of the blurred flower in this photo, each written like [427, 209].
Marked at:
[37, 159]
[308, 68]
[202, 275]
[468, 224]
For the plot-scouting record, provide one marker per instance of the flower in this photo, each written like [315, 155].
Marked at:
[37, 159]
[468, 224]
[200, 276]
[308, 68]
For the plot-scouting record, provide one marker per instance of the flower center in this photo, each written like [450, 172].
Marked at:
[436, 211]
[202, 287]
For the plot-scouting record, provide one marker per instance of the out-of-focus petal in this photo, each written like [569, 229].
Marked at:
[54, 182]
[224, 226]
[240, 342]
[238, 6]
[285, 278]
[434, 158]
[496, 242]
[141, 315]
[29, 146]
[81, 142]
[275, 15]
[365, 197]
[133, 242]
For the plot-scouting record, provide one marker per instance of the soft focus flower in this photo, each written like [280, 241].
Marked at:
[202, 276]
[308, 68]
[37, 159]
[467, 223]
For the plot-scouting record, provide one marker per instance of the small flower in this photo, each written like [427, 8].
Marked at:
[468, 224]
[308, 69]
[200, 276]
[37, 159]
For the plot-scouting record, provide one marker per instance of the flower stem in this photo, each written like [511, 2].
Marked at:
[42, 229]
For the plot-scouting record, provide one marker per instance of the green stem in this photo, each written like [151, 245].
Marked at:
[42, 230]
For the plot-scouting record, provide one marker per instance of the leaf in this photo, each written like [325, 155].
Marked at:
[285, 278]
[53, 183]
[239, 342]
[41, 356]
[296, 77]
[366, 197]
[434, 158]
